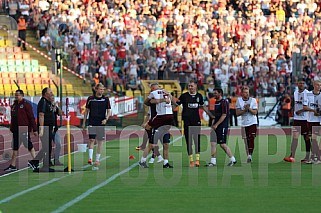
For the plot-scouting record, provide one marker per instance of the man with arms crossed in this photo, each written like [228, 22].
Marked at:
[98, 108]
[246, 107]
[300, 122]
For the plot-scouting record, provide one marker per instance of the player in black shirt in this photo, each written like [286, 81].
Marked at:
[192, 101]
[220, 127]
[46, 122]
[98, 108]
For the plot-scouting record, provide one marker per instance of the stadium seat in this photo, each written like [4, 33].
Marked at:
[20, 75]
[11, 62]
[137, 93]
[42, 69]
[3, 56]
[10, 56]
[12, 75]
[11, 68]
[129, 93]
[20, 68]
[9, 49]
[16, 49]
[36, 75]
[28, 75]
[44, 75]
[37, 81]
[30, 86]
[34, 63]
[4, 75]
[2, 50]
[22, 86]
[6, 80]
[45, 81]
[27, 69]
[21, 80]
[26, 62]
[19, 62]
[3, 62]
[30, 92]
[18, 56]
[69, 87]
[4, 68]
[29, 81]
[25, 55]
[119, 88]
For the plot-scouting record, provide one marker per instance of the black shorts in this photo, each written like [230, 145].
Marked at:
[96, 132]
[248, 131]
[219, 135]
[314, 128]
[300, 126]
[161, 120]
[22, 137]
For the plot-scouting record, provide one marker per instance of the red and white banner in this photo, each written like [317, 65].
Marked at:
[120, 107]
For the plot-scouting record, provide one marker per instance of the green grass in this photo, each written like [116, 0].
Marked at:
[266, 185]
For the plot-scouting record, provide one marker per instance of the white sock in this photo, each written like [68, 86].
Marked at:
[97, 157]
[142, 160]
[213, 160]
[232, 159]
[159, 157]
[91, 152]
[165, 161]
[249, 156]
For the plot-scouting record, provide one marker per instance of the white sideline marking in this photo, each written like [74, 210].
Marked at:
[29, 190]
[93, 189]
[41, 185]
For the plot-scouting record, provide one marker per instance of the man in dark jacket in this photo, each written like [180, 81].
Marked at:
[22, 123]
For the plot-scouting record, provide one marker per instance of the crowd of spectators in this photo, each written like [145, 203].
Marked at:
[227, 43]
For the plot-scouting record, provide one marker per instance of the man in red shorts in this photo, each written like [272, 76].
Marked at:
[313, 109]
[160, 124]
[300, 122]
[246, 107]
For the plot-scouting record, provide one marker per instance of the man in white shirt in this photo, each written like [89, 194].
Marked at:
[45, 41]
[300, 122]
[246, 107]
[161, 123]
[313, 109]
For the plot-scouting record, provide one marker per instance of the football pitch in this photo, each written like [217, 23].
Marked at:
[266, 185]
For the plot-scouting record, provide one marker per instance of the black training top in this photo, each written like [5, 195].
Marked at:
[191, 104]
[97, 107]
[47, 108]
[222, 107]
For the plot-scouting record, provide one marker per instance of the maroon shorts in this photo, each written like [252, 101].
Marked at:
[314, 128]
[248, 131]
[300, 126]
[161, 120]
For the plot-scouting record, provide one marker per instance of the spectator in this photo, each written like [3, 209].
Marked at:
[45, 41]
